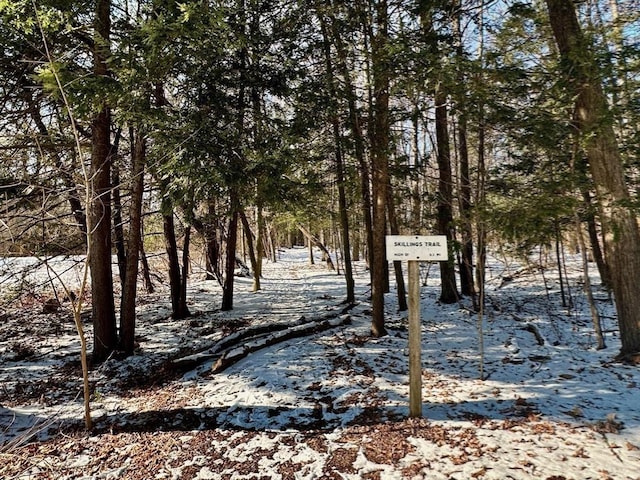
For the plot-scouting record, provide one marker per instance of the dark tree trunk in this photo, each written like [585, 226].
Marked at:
[339, 165]
[397, 265]
[251, 242]
[185, 270]
[118, 223]
[129, 292]
[380, 165]
[344, 221]
[466, 231]
[444, 209]
[480, 225]
[260, 249]
[102, 305]
[313, 240]
[594, 241]
[230, 264]
[210, 232]
[146, 272]
[179, 308]
[449, 292]
[358, 139]
[622, 237]
[466, 268]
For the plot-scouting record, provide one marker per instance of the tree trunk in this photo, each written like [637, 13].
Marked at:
[481, 181]
[417, 191]
[339, 165]
[146, 272]
[251, 241]
[595, 315]
[230, 264]
[344, 223]
[466, 231]
[179, 309]
[129, 292]
[313, 240]
[103, 306]
[448, 292]
[594, 241]
[118, 223]
[260, 250]
[397, 265]
[481, 225]
[380, 164]
[185, 270]
[358, 139]
[444, 209]
[622, 240]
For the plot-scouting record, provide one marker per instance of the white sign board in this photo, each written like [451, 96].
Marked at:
[424, 248]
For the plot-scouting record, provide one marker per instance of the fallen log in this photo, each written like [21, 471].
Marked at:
[234, 355]
[254, 335]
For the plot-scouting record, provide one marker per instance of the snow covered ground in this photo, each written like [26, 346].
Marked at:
[333, 404]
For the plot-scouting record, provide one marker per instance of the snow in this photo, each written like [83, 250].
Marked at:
[332, 404]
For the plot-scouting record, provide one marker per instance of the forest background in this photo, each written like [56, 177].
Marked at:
[236, 127]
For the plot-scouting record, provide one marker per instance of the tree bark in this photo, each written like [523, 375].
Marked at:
[594, 241]
[448, 292]
[397, 265]
[591, 117]
[251, 241]
[260, 249]
[118, 223]
[380, 164]
[129, 291]
[179, 308]
[358, 140]
[103, 306]
[339, 166]
[185, 270]
[467, 286]
[313, 240]
[230, 264]
[146, 272]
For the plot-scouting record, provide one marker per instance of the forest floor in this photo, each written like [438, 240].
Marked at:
[332, 404]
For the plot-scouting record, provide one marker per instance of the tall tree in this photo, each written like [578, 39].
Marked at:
[339, 160]
[466, 231]
[355, 125]
[381, 69]
[444, 216]
[177, 274]
[129, 290]
[102, 305]
[592, 120]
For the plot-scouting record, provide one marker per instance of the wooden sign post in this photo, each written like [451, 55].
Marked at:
[414, 249]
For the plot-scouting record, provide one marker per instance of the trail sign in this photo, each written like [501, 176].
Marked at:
[415, 249]
[424, 248]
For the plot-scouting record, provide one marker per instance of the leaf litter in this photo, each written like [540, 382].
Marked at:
[332, 404]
